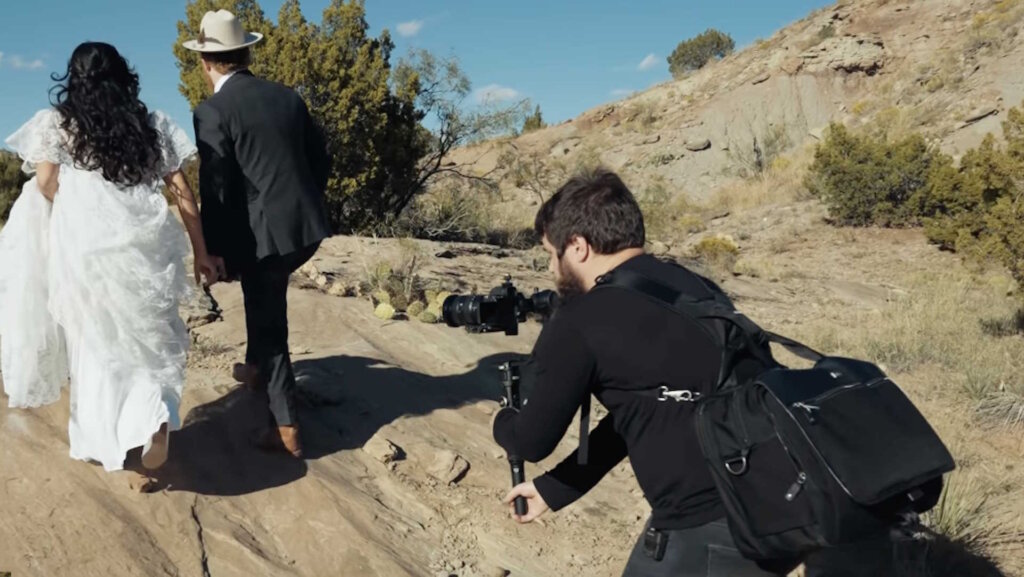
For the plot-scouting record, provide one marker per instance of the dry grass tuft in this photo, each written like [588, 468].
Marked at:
[667, 216]
[939, 322]
[782, 182]
[718, 253]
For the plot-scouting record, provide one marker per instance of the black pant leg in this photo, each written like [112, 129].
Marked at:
[277, 361]
[267, 327]
[706, 551]
[252, 296]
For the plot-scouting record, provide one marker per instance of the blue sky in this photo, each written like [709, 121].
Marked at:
[566, 55]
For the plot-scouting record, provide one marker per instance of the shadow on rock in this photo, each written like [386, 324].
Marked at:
[346, 400]
[343, 401]
[213, 452]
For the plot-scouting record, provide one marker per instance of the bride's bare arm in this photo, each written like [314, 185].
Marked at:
[46, 179]
[186, 200]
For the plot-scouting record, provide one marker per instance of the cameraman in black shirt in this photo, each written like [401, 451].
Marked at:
[606, 342]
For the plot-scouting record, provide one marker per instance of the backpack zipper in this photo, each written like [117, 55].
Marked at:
[821, 458]
[809, 409]
[801, 477]
[846, 388]
[796, 487]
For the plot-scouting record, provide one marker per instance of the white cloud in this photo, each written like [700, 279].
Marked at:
[649, 61]
[410, 28]
[494, 93]
[19, 63]
[622, 92]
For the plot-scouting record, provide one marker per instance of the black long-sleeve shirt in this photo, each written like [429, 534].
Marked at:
[606, 342]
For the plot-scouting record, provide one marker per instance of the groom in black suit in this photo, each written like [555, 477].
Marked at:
[263, 171]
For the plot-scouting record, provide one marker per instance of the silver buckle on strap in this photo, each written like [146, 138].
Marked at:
[685, 396]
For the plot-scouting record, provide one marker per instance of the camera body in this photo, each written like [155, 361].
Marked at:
[500, 310]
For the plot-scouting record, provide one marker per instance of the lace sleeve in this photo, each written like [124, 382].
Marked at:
[41, 139]
[175, 144]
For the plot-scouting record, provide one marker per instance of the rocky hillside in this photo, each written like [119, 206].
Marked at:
[946, 67]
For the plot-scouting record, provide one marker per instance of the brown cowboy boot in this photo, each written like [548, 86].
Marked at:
[249, 376]
[285, 438]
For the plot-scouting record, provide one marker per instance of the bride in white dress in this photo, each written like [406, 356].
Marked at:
[92, 264]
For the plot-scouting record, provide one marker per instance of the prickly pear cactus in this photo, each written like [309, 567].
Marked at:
[415, 308]
[400, 302]
[380, 296]
[384, 312]
[441, 296]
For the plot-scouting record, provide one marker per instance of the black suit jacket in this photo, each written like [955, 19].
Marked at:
[262, 174]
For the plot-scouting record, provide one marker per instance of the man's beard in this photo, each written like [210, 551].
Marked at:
[569, 284]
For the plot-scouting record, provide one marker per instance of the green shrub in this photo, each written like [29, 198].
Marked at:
[534, 121]
[11, 181]
[865, 180]
[694, 53]
[976, 209]
[960, 201]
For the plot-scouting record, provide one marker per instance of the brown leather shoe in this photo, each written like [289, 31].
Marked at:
[281, 439]
[249, 376]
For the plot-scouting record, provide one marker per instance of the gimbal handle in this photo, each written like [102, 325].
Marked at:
[510, 382]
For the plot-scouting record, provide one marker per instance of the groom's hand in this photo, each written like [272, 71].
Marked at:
[219, 268]
[209, 267]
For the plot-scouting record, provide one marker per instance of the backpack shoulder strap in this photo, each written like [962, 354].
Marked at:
[715, 306]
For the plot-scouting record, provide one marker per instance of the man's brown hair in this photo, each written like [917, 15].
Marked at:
[597, 206]
[225, 62]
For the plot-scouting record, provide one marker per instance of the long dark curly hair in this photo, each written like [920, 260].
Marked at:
[98, 101]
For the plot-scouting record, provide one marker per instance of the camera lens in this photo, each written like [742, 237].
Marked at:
[462, 310]
[544, 303]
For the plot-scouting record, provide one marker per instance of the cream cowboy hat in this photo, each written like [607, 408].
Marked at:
[220, 31]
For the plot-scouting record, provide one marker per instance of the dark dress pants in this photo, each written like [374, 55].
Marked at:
[265, 287]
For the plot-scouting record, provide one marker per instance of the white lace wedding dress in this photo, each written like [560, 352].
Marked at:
[89, 289]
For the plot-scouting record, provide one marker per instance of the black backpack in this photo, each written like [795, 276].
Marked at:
[803, 459]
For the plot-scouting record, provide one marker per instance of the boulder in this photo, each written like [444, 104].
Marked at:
[448, 467]
[848, 54]
[697, 145]
[792, 65]
[383, 449]
[340, 289]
